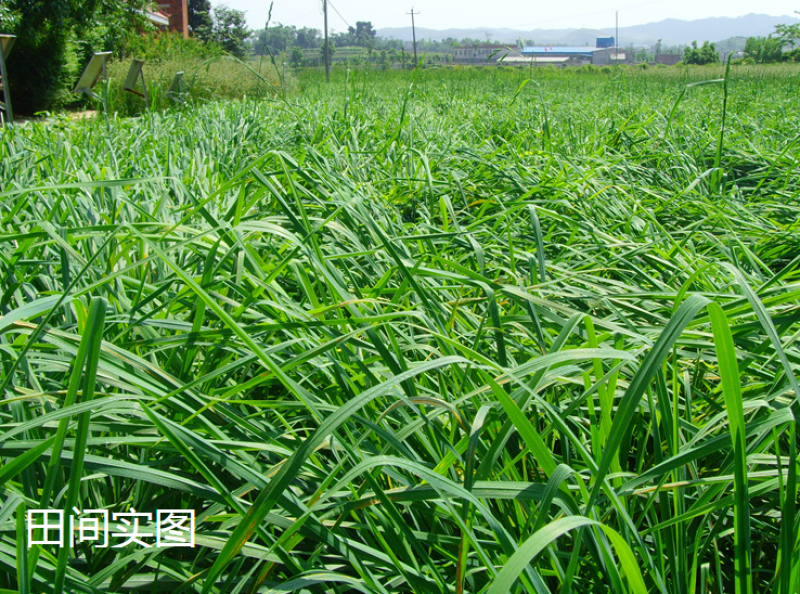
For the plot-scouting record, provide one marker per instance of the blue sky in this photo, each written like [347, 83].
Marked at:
[516, 14]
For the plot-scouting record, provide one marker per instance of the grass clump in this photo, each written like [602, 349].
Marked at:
[209, 74]
[204, 80]
[427, 332]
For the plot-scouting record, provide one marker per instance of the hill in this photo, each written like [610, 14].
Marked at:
[669, 31]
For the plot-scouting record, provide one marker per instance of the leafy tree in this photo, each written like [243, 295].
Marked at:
[789, 34]
[764, 50]
[332, 46]
[230, 30]
[308, 38]
[56, 37]
[365, 34]
[200, 22]
[345, 39]
[790, 37]
[388, 43]
[279, 38]
[642, 55]
[297, 57]
[707, 54]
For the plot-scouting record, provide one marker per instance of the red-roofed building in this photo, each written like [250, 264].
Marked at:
[159, 19]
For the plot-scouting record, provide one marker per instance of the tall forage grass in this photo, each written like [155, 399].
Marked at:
[433, 332]
[204, 80]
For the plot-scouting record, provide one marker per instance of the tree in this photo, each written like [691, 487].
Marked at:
[764, 50]
[275, 39]
[346, 38]
[789, 34]
[307, 38]
[641, 55]
[365, 34]
[332, 49]
[297, 57]
[230, 30]
[707, 54]
[56, 37]
[200, 22]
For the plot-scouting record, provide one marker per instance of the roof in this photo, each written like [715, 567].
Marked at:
[561, 50]
[485, 46]
[158, 17]
[547, 59]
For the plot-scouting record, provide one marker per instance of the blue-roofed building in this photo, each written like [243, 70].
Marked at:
[575, 55]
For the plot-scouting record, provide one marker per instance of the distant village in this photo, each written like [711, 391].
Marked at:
[305, 47]
[173, 15]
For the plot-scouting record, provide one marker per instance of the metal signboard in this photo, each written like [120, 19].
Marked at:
[94, 70]
[6, 43]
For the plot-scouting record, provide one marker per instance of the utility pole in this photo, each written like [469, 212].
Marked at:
[616, 39]
[414, 35]
[327, 43]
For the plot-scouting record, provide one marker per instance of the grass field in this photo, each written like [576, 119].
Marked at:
[445, 331]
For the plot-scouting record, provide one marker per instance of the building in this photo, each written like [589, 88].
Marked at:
[159, 19]
[668, 59]
[177, 11]
[486, 52]
[602, 55]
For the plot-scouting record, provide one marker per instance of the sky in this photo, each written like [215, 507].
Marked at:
[515, 14]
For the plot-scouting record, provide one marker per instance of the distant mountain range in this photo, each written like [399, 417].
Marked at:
[669, 31]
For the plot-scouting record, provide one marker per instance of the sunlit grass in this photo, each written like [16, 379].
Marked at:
[443, 331]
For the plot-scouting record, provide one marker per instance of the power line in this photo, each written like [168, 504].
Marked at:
[339, 13]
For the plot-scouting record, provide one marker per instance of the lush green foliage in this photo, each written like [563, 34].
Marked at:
[764, 50]
[789, 34]
[55, 38]
[160, 47]
[203, 80]
[445, 331]
[208, 74]
[201, 24]
[706, 54]
[777, 48]
[281, 38]
[230, 30]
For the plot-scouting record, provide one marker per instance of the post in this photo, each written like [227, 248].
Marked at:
[414, 35]
[6, 83]
[616, 38]
[105, 85]
[327, 44]
[105, 95]
[144, 92]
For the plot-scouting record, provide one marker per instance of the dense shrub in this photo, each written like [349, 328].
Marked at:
[38, 70]
[162, 47]
[54, 38]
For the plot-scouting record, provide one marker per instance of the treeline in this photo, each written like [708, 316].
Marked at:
[782, 46]
[284, 38]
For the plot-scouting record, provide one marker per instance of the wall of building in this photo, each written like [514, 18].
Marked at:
[481, 53]
[178, 12]
[610, 56]
[668, 59]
